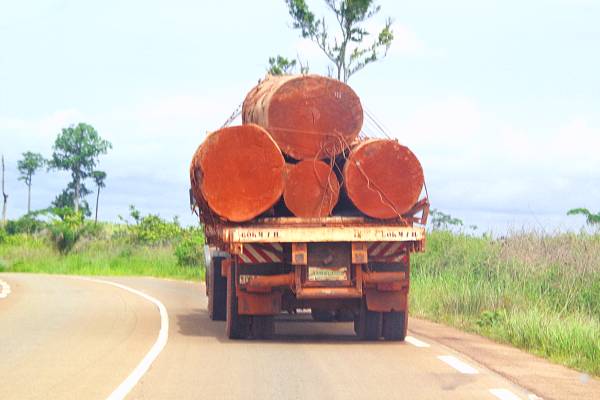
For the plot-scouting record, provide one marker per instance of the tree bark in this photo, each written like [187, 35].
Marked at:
[76, 194]
[308, 116]
[29, 196]
[97, 198]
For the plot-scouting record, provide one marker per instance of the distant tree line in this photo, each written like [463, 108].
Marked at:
[77, 150]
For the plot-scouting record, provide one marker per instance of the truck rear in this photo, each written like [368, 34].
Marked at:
[304, 211]
[341, 268]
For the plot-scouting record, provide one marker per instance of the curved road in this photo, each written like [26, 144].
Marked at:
[71, 338]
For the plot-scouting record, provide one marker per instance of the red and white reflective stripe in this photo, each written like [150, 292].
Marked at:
[261, 253]
[387, 252]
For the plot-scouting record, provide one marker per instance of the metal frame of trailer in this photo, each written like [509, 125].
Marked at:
[343, 268]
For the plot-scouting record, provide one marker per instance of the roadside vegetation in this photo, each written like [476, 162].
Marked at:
[61, 241]
[535, 291]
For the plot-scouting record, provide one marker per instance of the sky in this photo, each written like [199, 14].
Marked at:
[500, 100]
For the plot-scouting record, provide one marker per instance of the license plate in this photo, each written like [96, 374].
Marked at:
[327, 274]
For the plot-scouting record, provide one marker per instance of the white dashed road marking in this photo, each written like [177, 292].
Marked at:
[4, 289]
[504, 394]
[458, 365]
[161, 341]
[416, 342]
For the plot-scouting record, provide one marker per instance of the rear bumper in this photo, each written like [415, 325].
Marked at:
[382, 281]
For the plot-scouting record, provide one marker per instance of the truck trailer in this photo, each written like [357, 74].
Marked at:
[342, 268]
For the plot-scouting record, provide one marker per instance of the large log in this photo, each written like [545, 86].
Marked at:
[238, 171]
[309, 116]
[311, 189]
[383, 178]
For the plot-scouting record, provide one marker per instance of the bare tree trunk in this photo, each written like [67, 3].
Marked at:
[29, 196]
[97, 197]
[76, 194]
[4, 195]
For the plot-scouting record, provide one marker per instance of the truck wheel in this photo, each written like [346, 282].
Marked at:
[368, 323]
[263, 326]
[217, 291]
[394, 325]
[237, 326]
[322, 315]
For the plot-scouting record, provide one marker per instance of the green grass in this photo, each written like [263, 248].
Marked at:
[540, 293]
[27, 253]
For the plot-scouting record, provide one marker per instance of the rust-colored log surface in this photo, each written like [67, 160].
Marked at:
[311, 189]
[309, 116]
[383, 178]
[238, 171]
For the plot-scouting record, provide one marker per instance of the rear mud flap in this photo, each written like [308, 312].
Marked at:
[386, 301]
[259, 303]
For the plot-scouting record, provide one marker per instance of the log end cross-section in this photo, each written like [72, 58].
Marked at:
[238, 171]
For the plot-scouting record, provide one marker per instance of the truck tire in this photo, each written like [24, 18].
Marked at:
[237, 326]
[217, 291]
[368, 324]
[394, 325]
[263, 326]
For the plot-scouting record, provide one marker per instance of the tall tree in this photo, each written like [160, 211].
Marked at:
[76, 150]
[4, 195]
[99, 177]
[30, 163]
[344, 47]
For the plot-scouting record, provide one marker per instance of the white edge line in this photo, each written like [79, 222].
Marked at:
[161, 341]
[458, 365]
[504, 394]
[5, 289]
[416, 342]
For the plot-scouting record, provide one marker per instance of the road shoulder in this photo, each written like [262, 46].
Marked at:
[547, 380]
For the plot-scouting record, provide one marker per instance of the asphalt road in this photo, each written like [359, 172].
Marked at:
[71, 338]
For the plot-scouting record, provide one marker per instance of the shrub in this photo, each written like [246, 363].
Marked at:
[149, 229]
[189, 251]
[66, 229]
[28, 224]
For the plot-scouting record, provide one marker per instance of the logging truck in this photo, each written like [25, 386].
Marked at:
[341, 268]
[283, 236]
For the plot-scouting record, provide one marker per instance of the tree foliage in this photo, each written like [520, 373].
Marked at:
[590, 218]
[66, 228]
[344, 47]
[98, 177]
[27, 167]
[66, 198]
[77, 149]
[280, 65]
[443, 221]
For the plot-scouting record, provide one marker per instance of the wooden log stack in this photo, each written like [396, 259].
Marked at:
[312, 123]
